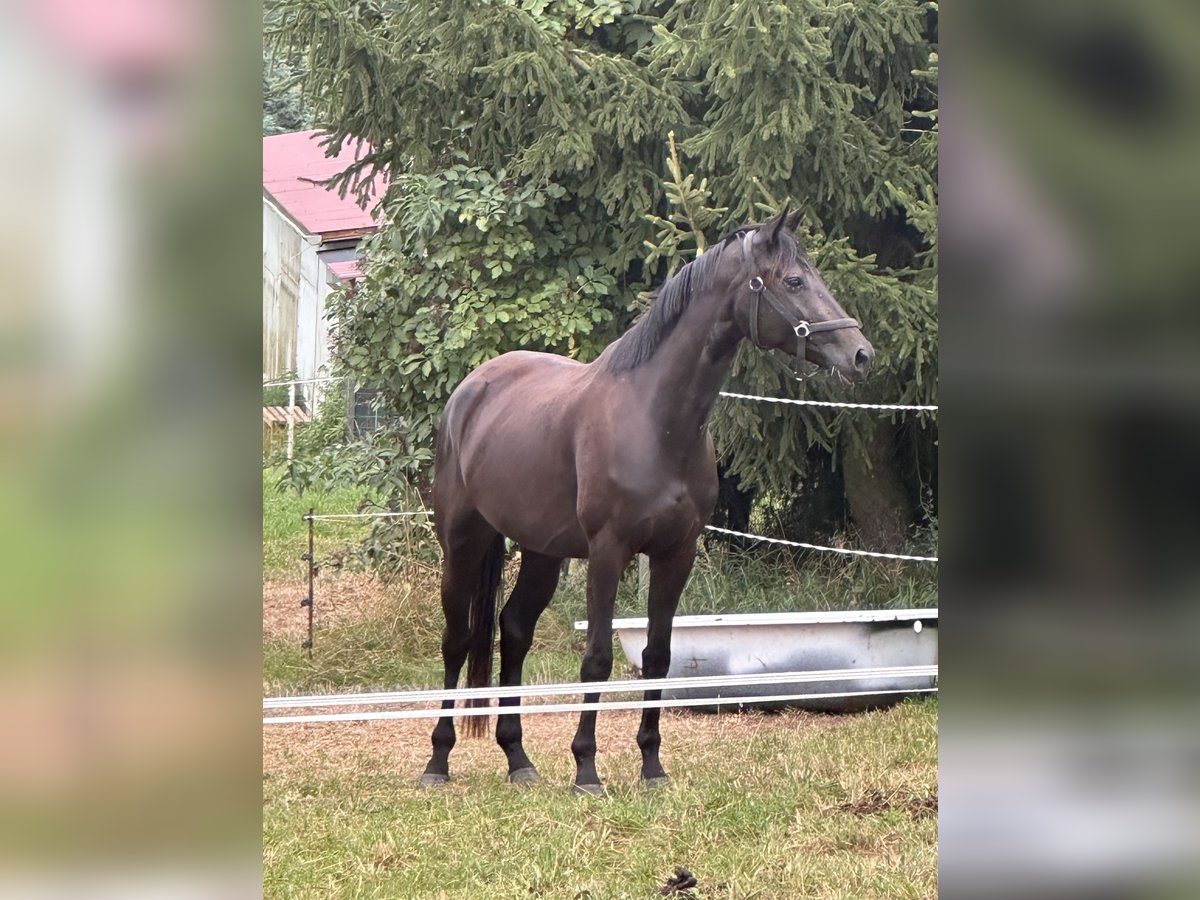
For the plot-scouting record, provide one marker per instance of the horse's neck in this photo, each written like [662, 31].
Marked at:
[687, 371]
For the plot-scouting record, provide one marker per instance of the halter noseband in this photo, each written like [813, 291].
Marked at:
[801, 328]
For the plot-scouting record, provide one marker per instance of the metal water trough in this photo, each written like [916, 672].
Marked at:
[795, 642]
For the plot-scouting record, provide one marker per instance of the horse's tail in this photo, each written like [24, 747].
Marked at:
[482, 624]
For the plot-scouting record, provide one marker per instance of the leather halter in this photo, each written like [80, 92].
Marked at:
[790, 314]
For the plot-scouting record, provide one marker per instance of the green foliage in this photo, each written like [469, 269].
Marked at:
[323, 435]
[473, 265]
[690, 216]
[277, 395]
[284, 108]
[327, 430]
[533, 196]
[285, 533]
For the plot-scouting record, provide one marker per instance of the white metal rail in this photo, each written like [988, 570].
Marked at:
[596, 687]
[707, 682]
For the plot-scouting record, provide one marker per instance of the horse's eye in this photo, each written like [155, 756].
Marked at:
[795, 282]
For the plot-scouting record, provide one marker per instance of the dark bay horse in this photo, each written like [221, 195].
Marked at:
[606, 460]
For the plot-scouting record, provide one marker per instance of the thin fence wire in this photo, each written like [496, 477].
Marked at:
[374, 515]
[304, 381]
[742, 534]
[802, 544]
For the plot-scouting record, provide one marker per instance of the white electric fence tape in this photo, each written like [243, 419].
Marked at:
[828, 403]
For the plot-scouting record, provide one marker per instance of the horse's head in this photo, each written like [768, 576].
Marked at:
[784, 304]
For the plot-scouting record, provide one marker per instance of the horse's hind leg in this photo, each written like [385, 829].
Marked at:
[668, 575]
[465, 542]
[535, 586]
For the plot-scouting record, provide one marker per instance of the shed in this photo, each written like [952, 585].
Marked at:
[310, 244]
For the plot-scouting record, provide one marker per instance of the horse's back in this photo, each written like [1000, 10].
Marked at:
[520, 364]
[509, 383]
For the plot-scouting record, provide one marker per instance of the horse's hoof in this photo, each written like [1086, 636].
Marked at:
[432, 779]
[656, 783]
[589, 790]
[528, 775]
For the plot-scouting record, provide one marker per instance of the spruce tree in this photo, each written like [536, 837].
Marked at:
[535, 196]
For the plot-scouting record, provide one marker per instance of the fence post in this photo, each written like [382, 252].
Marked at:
[308, 600]
[291, 419]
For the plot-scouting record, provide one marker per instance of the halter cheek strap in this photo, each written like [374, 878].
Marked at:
[800, 327]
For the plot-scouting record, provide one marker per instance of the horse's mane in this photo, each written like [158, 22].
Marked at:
[653, 326]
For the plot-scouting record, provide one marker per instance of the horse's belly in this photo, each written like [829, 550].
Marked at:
[563, 542]
[526, 490]
[537, 520]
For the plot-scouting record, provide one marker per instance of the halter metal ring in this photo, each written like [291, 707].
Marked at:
[802, 329]
[756, 284]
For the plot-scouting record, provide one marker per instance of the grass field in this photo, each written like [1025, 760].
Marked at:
[771, 806]
[768, 806]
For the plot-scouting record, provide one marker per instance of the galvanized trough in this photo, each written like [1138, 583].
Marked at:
[748, 644]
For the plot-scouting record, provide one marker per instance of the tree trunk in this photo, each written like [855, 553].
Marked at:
[818, 509]
[880, 506]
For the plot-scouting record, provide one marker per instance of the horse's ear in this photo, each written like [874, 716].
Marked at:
[793, 221]
[780, 223]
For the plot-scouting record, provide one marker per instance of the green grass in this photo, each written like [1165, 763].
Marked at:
[285, 533]
[766, 806]
[800, 807]
[726, 581]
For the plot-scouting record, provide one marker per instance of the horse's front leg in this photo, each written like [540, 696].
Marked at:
[668, 575]
[605, 565]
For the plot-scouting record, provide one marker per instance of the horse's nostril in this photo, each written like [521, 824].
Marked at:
[862, 359]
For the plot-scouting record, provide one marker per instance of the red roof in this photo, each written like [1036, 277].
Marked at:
[348, 270]
[293, 167]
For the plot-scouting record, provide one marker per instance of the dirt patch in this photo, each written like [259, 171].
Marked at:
[340, 597]
[876, 802]
[283, 617]
[403, 745]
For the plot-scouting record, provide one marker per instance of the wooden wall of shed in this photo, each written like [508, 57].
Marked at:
[283, 246]
[295, 287]
[312, 331]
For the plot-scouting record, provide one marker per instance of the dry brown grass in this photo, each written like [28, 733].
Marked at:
[346, 748]
[343, 597]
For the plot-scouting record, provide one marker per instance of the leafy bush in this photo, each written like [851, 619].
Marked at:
[441, 298]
